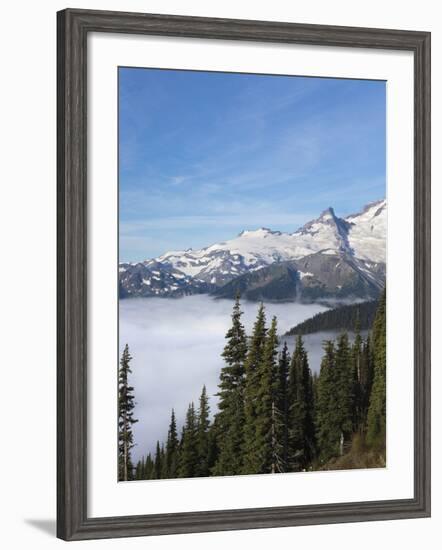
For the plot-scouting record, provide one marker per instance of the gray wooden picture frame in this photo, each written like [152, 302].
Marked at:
[74, 25]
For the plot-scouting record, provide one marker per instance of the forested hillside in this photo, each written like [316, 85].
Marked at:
[340, 318]
[273, 415]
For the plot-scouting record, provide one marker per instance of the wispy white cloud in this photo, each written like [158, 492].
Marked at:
[178, 180]
[245, 221]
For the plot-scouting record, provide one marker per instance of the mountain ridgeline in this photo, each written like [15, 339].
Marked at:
[327, 258]
[273, 415]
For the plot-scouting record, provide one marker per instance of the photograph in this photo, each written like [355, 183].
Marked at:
[227, 211]
[251, 274]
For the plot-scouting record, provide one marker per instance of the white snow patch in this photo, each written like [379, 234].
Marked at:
[303, 274]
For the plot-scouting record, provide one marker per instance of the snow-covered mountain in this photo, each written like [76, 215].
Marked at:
[360, 238]
[368, 232]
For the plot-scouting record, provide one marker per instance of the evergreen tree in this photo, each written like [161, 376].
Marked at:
[301, 409]
[376, 420]
[315, 379]
[163, 460]
[269, 421]
[282, 404]
[310, 428]
[366, 378]
[335, 407]
[344, 389]
[212, 454]
[315, 383]
[202, 436]
[172, 448]
[356, 359]
[126, 418]
[188, 459]
[327, 427]
[148, 470]
[157, 469]
[139, 469]
[251, 459]
[229, 420]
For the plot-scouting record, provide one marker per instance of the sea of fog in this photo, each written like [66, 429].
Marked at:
[176, 346]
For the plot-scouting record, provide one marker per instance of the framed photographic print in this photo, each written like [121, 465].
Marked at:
[243, 274]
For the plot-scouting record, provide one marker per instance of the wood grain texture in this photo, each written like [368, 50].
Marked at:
[72, 28]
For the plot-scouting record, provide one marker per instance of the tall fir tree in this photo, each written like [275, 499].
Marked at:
[188, 460]
[344, 389]
[163, 459]
[282, 404]
[139, 469]
[327, 429]
[148, 469]
[172, 448]
[366, 377]
[202, 435]
[126, 418]
[376, 419]
[212, 455]
[158, 463]
[229, 421]
[356, 367]
[301, 426]
[335, 406]
[251, 460]
[315, 384]
[269, 428]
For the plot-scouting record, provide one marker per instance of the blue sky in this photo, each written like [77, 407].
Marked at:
[205, 155]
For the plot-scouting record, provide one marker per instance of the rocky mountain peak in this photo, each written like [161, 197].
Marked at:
[327, 214]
